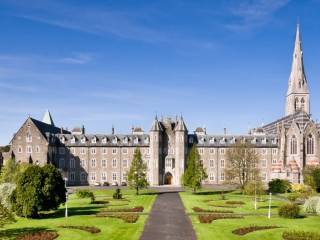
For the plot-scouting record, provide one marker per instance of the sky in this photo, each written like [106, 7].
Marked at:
[220, 64]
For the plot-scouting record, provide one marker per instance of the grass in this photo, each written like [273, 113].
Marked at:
[222, 229]
[82, 213]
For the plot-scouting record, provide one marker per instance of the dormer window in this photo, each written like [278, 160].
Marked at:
[94, 140]
[104, 140]
[264, 141]
[222, 140]
[274, 141]
[114, 140]
[62, 140]
[125, 140]
[73, 139]
[136, 140]
[212, 140]
[233, 140]
[146, 140]
[254, 140]
[83, 140]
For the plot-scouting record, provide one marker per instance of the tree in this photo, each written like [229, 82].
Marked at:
[6, 190]
[137, 174]
[38, 188]
[195, 172]
[9, 171]
[311, 175]
[6, 216]
[241, 164]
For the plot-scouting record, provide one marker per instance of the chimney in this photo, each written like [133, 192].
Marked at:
[83, 130]
[225, 131]
[112, 130]
[61, 130]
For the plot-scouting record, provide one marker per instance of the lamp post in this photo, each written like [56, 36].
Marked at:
[66, 204]
[269, 212]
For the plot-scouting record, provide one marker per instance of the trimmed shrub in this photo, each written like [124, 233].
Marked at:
[42, 235]
[254, 187]
[300, 235]
[135, 209]
[246, 230]
[235, 202]
[208, 218]
[289, 210]
[303, 190]
[126, 217]
[85, 194]
[198, 209]
[224, 205]
[312, 205]
[92, 230]
[279, 186]
[117, 194]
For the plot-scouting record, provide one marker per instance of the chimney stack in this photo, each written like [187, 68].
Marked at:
[112, 130]
[225, 131]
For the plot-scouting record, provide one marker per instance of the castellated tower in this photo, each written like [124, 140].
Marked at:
[297, 99]
[155, 152]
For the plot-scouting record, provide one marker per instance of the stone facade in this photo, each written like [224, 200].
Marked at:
[285, 146]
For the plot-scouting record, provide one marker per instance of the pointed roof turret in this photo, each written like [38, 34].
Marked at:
[181, 126]
[156, 125]
[47, 118]
[297, 79]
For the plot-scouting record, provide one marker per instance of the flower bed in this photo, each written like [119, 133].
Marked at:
[126, 217]
[135, 209]
[300, 235]
[235, 202]
[223, 205]
[198, 209]
[246, 230]
[42, 235]
[84, 228]
[208, 218]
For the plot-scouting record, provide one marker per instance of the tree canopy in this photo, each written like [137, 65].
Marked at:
[195, 172]
[137, 174]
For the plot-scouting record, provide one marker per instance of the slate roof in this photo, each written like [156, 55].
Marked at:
[47, 128]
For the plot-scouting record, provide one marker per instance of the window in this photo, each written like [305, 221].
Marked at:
[201, 151]
[114, 151]
[104, 140]
[93, 163]
[115, 140]
[146, 140]
[310, 145]
[125, 150]
[114, 163]
[302, 103]
[82, 163]
[37, 149]
[94, 140]
[263, 163]
[104, 163]
[212, 140]
[82, 151]
[264, 151]
[125, 163]
[211, 176]
[62, 150]
[211, 150]
[136, 140]
[93, 151]
[222, 151]
[114, 177]
[73, 140]
[124, 177]
[72, 176]
[293, 145]
[29, 149]
[104, 151]
[29, 138]
[83, 177]
[61, 163]
[274, 151]
[168, 162]
[62, 140]
[222, 163]
[211, 163]
[104, 176]
[92, 176]
[274, 161]
[147, 151]
[83, 140]
[72, 163]
[19, 149]
[222, 176]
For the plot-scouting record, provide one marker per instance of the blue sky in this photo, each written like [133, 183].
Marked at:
[98, 63]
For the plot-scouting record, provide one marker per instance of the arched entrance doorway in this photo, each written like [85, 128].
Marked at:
[168, 178]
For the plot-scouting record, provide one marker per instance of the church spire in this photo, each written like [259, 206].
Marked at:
[298, 93]
[47, 118]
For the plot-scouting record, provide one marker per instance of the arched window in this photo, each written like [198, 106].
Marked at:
[296, 102]
[302, 103]
[293, 145]
[310, 145]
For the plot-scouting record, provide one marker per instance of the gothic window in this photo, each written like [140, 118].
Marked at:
[83, 177]
[104, 176]
[72, 163]
[93, 163]
[222, 163]
[302, 103]
[29, 138]
[104, 163]
[211, 176]
[296, 101]
[293, 145]
[93, 151]
[168, 162]
[114, 163]
[310, 145]
[211, 163]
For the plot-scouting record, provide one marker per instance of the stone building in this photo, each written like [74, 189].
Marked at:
[285, 146]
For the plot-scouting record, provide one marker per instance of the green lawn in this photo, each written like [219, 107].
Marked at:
[81, 212]
[222, 229]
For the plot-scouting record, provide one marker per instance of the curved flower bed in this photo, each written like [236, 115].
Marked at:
[42, 235]
[208, 218]
[92, 230]
[198, 209]
[246, 230]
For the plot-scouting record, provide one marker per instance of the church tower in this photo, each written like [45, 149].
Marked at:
[297, 99]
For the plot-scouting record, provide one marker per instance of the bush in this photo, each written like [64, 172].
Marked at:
[85, 194]
[305, 191]
[254, 187]
[6, 190]
[208, 218]
[126, 217]
[135, 209]
[246, 230]
[235, 202]
[198, 209]
[312, 205]
[289, 210]
[300, 235]
[117, 194]
[311, 175]
[279, 186]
